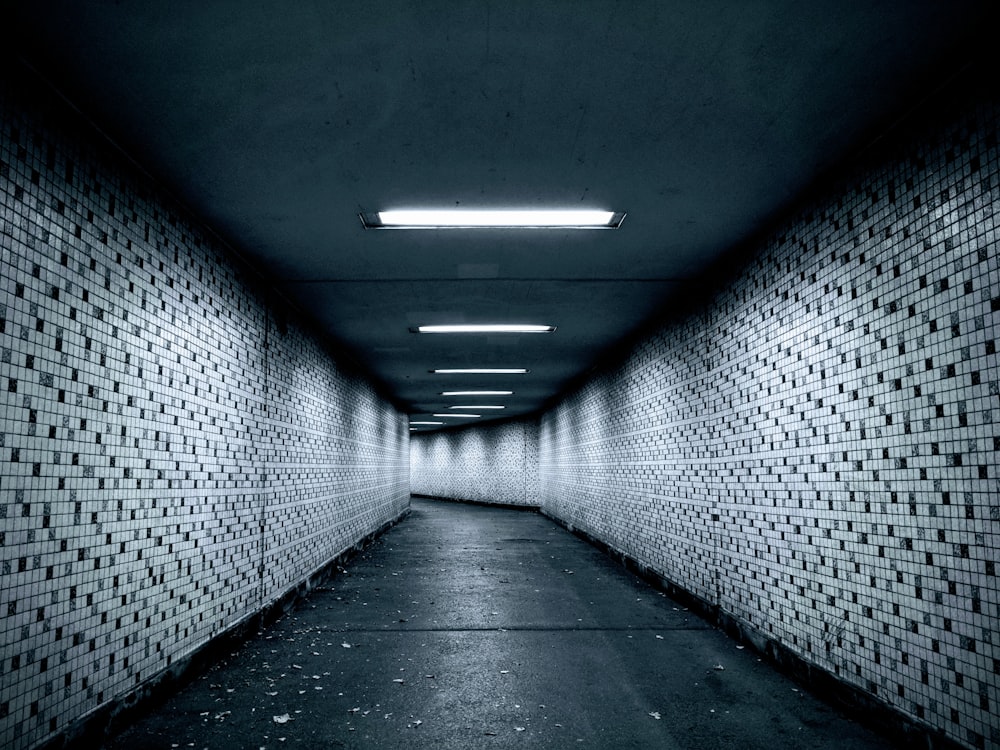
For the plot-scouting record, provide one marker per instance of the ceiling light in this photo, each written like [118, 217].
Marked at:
[477, 407]
[470, 416]
[504, 218]
[484, 371]
[413, 423]
[477, 393]
[485, 328]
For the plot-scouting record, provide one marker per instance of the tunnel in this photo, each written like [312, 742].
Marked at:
[740, 489]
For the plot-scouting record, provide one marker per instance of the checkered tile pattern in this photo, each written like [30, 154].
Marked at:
[175, 453]
[816, 450]
[495, 463]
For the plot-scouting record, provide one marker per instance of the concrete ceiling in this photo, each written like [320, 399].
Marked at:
[278, 122]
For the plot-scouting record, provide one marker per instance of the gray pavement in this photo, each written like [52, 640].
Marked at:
[466, 627]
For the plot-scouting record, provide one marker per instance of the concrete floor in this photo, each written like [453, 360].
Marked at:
[468, 627]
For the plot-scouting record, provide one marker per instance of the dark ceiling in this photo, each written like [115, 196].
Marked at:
[278, 122]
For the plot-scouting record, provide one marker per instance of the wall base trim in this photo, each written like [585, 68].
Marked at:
[107, 720]
[854, 702]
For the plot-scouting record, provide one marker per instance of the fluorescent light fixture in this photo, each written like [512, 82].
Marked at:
[485, 328]
[484, 371]
[477, 407]
[470, 416]
[425, 423]
[500, 218]
[477, 393]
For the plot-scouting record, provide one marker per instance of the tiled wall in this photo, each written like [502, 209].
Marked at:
[816, 451]
[176, 453]
[496, 463]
